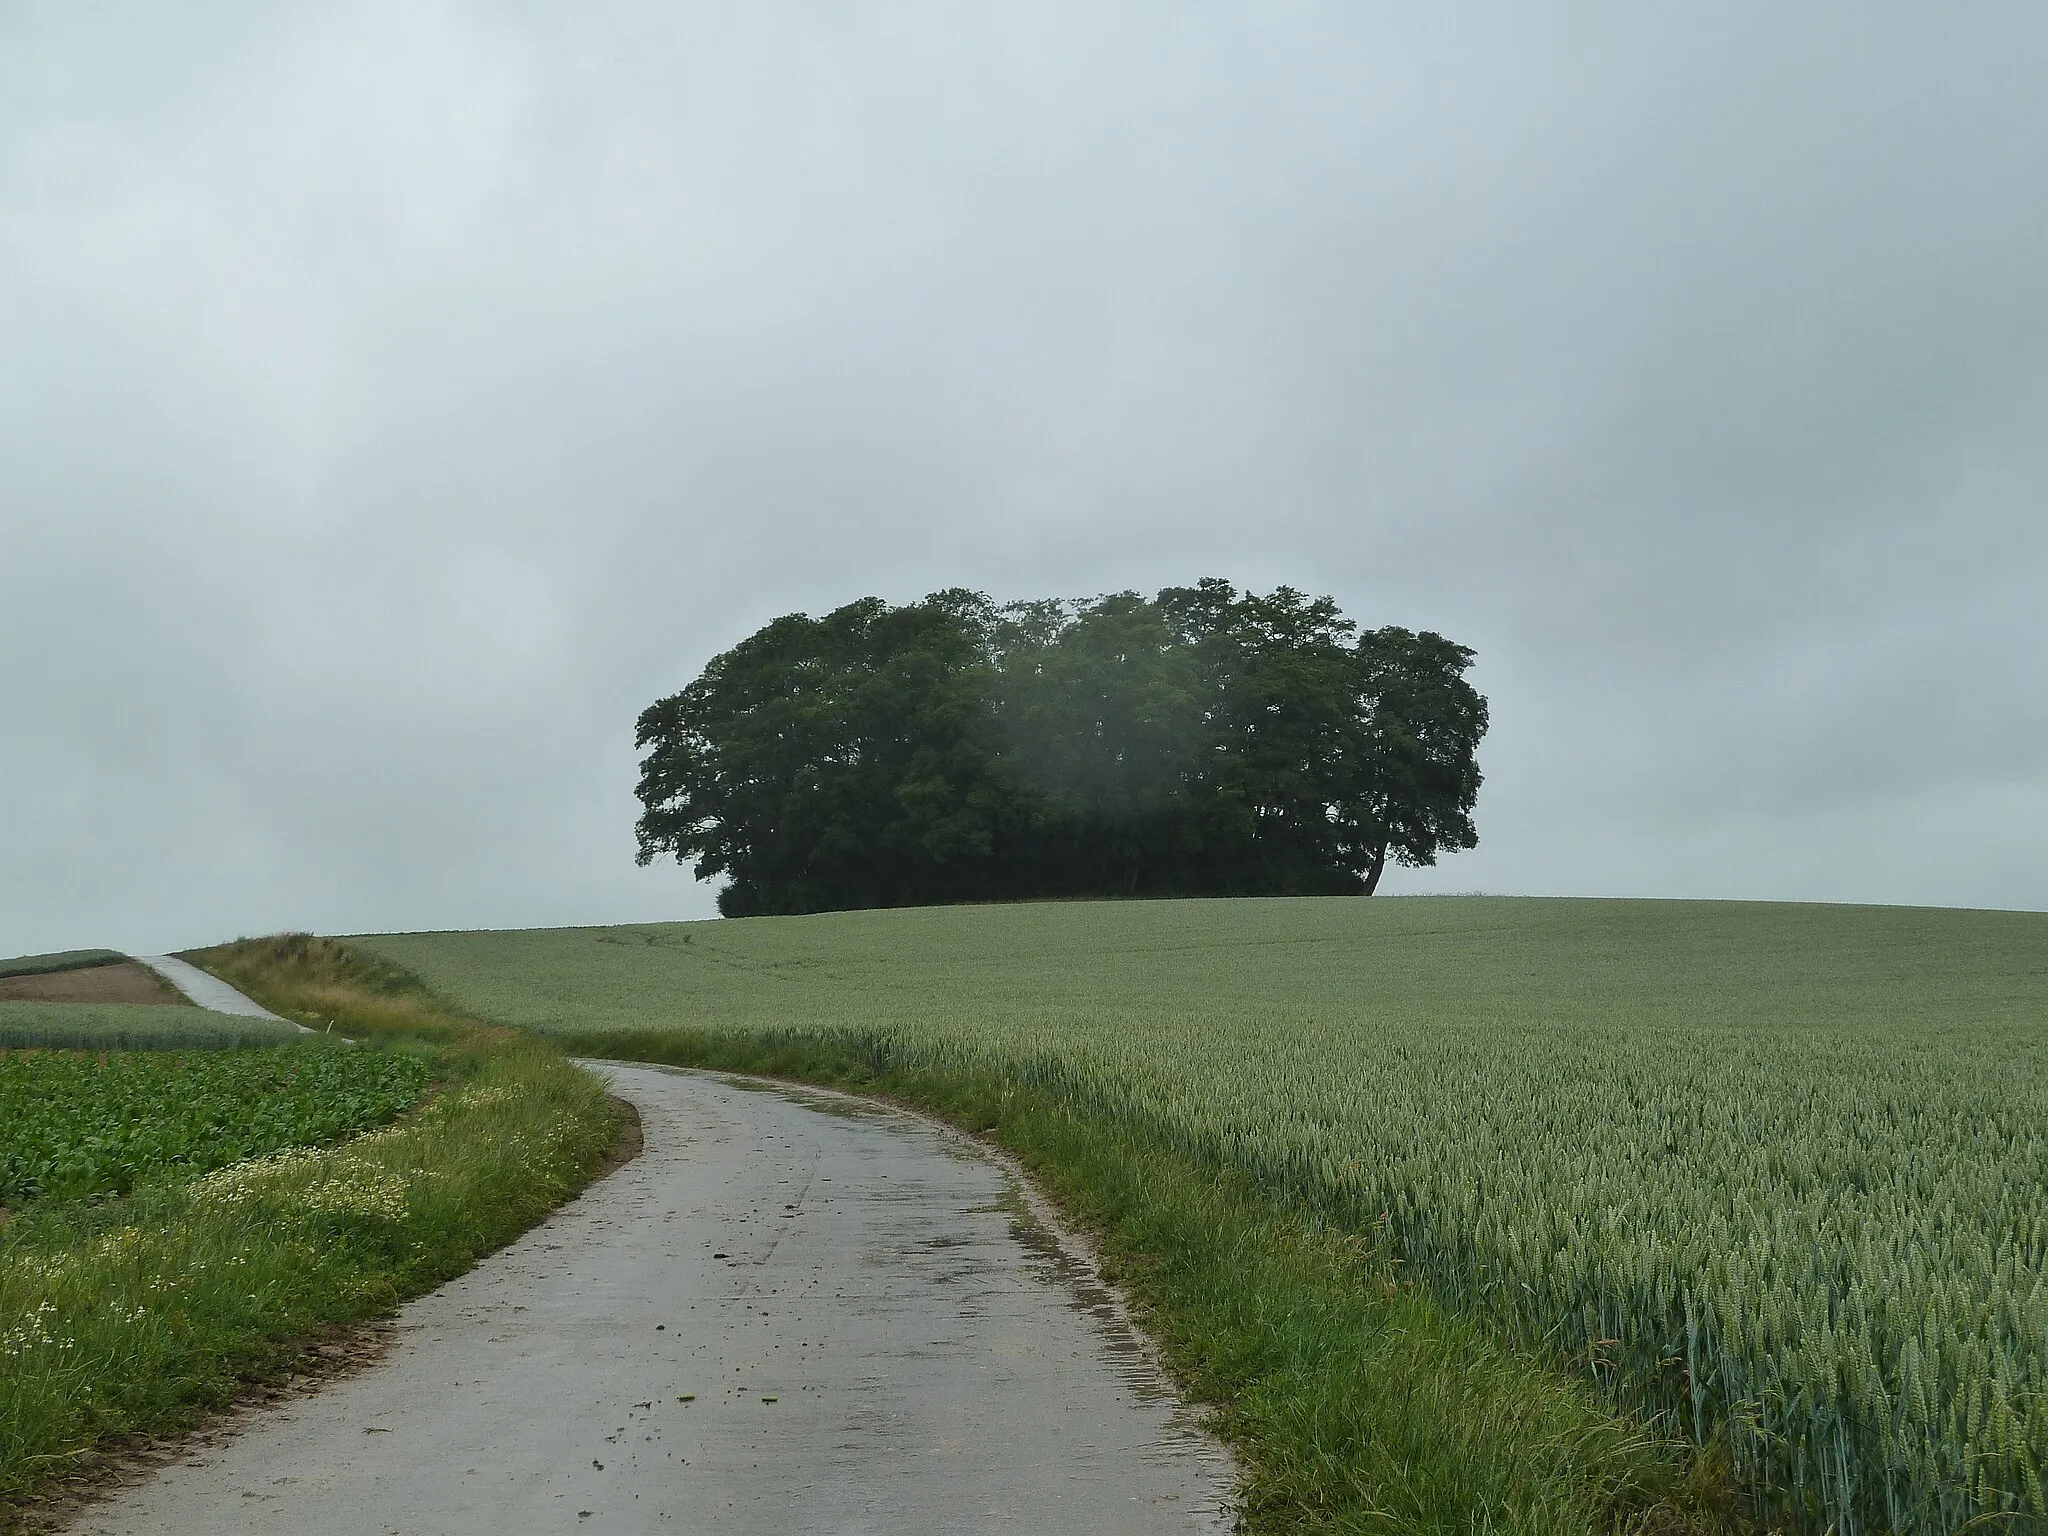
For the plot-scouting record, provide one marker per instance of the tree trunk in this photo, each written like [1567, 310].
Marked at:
[1379, 867]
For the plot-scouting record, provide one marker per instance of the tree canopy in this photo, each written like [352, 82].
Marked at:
[1202, 742]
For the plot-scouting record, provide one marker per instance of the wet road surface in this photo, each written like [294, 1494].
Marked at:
[792, 1313]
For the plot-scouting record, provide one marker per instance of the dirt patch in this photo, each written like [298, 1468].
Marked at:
[127, 982]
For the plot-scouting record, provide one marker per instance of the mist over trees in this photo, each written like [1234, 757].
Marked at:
[1202, 742]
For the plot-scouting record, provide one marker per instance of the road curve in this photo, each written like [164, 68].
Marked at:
[793, 1312]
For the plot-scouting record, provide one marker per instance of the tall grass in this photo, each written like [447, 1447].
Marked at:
[318, 982]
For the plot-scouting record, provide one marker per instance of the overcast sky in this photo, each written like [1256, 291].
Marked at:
[396, 398]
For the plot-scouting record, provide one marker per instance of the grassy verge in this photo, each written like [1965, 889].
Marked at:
[1355, 1401]
[135, 1314]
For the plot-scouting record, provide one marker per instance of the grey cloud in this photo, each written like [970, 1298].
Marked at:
[393, 399]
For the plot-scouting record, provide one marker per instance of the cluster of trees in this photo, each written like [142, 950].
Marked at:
[1202, 742]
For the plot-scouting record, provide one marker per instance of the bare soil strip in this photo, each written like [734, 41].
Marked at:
[791, 1312]
[127, 982]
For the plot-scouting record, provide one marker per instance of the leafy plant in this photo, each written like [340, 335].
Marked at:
[74, 1124]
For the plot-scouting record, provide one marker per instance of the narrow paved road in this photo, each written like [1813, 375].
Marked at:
[210, 992]
[792, 1313]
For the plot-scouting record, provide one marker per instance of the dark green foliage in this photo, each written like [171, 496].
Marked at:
[828, 762]
[63, 960]
[1201, 742]
[74, 1125]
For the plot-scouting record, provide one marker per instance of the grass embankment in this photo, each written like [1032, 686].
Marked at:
[133, 1314]
[1769, 1179]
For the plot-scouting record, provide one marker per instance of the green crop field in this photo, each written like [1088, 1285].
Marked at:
[1775, 1176]
[132, 1027]
[75, 1125]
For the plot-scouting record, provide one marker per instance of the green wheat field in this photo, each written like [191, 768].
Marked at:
[1774, 1175]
